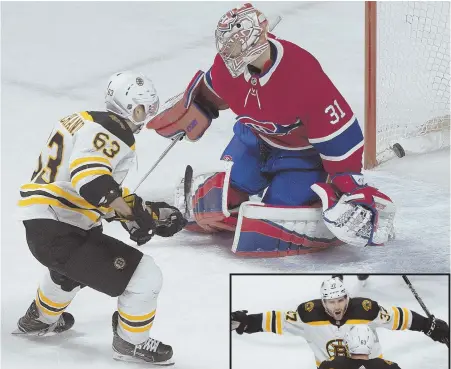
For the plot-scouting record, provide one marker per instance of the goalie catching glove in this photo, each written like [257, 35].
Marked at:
[150, 218]
[354, 212]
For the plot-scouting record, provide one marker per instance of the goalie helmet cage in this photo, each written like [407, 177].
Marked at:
[407, 77]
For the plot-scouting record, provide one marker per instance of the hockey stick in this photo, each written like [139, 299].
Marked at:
[176, 138]
[274, 22]
[187, 182]
[420, 301]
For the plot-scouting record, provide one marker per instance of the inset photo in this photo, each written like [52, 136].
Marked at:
[359, 321]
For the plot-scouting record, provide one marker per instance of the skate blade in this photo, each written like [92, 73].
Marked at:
[131, 359]
[18, 332]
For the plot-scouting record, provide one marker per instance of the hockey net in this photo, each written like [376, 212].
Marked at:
[407, 78]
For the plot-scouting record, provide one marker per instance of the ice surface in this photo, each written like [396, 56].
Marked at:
[266, 350]
[56, 58]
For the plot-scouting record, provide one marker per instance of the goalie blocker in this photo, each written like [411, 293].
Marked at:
[260, 229]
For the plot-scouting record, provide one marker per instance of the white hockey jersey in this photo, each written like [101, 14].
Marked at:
[325, 335]
[81, 148]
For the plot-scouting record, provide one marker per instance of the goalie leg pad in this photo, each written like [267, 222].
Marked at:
[211, 202]
[273, 231]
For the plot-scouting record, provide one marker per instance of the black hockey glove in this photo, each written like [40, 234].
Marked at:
[239, 321]
[169, 219]
[141, 226]
[437, 329]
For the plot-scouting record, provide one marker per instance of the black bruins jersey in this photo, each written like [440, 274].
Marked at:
[86, 155]
[348, 363]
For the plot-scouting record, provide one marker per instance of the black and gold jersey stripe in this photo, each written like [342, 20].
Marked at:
[400, 318]
[273, 322]
[50, 194]
[88, 166]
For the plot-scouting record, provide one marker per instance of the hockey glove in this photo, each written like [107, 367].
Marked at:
[141, 225]
[355, 212]
[169, 219]
[241, 322]
[437, 329]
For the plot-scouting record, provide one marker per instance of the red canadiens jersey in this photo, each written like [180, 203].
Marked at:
[293, 106]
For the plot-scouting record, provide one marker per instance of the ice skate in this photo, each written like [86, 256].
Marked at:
[30, 324]
[151, 350]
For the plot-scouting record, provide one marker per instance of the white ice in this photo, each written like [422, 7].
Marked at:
[409, 349]
[56, 59]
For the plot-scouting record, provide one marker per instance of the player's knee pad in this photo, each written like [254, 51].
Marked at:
[65, 283]
[146, 281]
[212, 202]
[272, 231]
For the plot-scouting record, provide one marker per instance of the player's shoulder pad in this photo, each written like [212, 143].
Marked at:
[362, 308]
[112, 123]
[312, 311]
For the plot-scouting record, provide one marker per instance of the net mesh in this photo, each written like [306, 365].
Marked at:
[413, 76]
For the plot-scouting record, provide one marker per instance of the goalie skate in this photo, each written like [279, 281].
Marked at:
[29, 324]
[151, 351]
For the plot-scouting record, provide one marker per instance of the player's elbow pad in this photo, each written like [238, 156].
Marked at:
[96, 191]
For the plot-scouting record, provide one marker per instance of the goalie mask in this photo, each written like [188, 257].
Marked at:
[126, 91]
[241, 37]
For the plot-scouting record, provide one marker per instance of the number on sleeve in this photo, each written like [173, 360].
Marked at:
[333, 114]
[291, 316]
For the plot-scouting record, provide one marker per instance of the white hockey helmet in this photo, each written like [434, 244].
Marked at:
[359, 340]
[126, 90]
[333, 288]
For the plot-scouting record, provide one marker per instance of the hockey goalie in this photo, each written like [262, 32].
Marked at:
[297, 145]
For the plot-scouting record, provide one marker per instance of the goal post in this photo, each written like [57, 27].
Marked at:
[407, 78]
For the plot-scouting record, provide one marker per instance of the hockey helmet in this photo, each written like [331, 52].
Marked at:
[359, 340]
[241, 37]
[125, 91]
[333, 288]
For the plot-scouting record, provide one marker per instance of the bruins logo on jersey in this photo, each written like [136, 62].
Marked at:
[336, 348]
[309, 306]
[366, 305]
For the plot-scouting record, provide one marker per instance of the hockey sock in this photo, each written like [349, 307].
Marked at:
[137, 305]
[52, 300]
